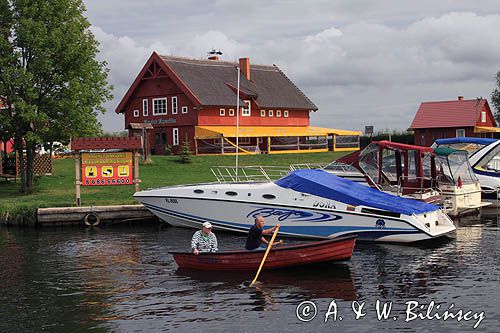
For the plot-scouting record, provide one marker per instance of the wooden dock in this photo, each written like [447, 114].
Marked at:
[93, 215]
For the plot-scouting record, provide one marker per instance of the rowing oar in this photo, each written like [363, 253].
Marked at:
[269, 246]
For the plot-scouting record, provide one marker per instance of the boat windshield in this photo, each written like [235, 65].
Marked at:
[389, 164]
[453, 166]
[369, 162]
[490, 161]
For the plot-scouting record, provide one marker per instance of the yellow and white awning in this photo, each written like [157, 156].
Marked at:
[484, 129]
[212, 132]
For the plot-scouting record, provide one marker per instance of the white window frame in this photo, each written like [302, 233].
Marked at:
[145, 107]
[175, 136]
[184, 109]
[483, 116]
[262, 113]
[271, 113]
[231, 112]
[155, 113]
[278, 113]
[246, 111]
[222, 112]
[174, 105]
[136, 113]
[460, 130]
[285, 113]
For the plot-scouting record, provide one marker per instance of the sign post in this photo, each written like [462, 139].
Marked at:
[118, 167]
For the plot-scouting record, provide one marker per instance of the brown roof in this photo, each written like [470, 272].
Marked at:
[106, 143]
[214, 83]
[140, 126]
[457, 113]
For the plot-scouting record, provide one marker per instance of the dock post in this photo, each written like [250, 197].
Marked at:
[78, 180]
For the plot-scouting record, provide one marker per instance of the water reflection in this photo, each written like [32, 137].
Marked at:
[123, 279]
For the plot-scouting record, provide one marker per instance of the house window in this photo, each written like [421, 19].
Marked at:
[174, 105]
[271, 113]
[285, 113]
[144, 107]
[136, 113]
[278, 113]
[164, 138]
[222, 112]
[231, 112]
[159, 106]
[483, 116]
[460, 133]
[245, 111]
[175, 135]
[184, 109]
[262, 113]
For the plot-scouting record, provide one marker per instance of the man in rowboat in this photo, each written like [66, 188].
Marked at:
[255, 235]
[204, 240]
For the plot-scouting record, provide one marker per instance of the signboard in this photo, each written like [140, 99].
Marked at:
[368, 130]
[99, 169]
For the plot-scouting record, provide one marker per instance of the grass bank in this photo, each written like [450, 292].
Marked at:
[58, 190]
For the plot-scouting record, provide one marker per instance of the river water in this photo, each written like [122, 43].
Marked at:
[121, 279]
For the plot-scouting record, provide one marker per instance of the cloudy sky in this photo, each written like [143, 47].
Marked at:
[361, 62]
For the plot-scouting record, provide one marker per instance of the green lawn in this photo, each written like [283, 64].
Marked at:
[58, 190]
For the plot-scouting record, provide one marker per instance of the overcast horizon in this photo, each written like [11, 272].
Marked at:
[361, 62]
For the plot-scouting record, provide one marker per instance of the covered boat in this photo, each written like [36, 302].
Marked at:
[338, 249]
[307, 203]
[484, 156]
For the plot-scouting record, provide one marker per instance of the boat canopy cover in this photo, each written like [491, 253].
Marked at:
[445, 151]
[327, 185]
[481, 141]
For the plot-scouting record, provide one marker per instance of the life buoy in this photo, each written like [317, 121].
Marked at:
[92, 220]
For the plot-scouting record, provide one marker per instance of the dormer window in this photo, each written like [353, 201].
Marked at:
[245, 110]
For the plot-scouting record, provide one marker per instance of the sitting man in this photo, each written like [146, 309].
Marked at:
[204, 240]
[255, 238]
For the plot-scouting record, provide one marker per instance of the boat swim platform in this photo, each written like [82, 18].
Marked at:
[94, 215]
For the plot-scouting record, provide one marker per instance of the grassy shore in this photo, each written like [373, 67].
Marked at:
[58, 190]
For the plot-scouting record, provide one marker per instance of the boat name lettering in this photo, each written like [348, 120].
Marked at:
[324, 204]
[171, 200]
[282, 214]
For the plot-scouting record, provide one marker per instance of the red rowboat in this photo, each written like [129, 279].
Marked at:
[336, 249]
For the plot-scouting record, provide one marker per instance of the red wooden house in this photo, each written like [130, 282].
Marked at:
[196, 101]
[448, 119]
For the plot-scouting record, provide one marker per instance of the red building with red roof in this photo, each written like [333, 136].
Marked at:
[448, 119]
[196, 101]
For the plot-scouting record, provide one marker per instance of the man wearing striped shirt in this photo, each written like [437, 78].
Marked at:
[204, 240]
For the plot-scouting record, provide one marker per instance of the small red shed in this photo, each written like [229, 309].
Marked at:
[457, 118]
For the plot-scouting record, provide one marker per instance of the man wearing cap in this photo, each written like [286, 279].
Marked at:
[204, 240]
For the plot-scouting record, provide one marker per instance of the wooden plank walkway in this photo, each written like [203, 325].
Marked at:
[94, 215]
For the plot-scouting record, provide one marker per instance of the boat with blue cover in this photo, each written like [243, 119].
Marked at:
[307, 203]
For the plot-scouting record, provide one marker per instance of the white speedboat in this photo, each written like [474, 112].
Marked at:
[307, 203]
[484, 157]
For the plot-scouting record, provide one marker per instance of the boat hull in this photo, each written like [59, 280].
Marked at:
[332, 250]
[295, 221]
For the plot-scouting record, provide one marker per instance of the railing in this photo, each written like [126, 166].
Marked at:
[308, 166]
[225, 174]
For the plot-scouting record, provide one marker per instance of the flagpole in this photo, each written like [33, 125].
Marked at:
[237, 119]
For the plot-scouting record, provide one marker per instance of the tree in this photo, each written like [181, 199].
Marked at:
[185, 152]
[50, 80]
[495, 98]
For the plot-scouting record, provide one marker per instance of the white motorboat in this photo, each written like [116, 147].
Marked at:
[484, 157]
[307, 203]
[418, 172]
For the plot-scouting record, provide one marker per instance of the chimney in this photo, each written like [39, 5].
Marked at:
[245, 67]
[460, 98]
